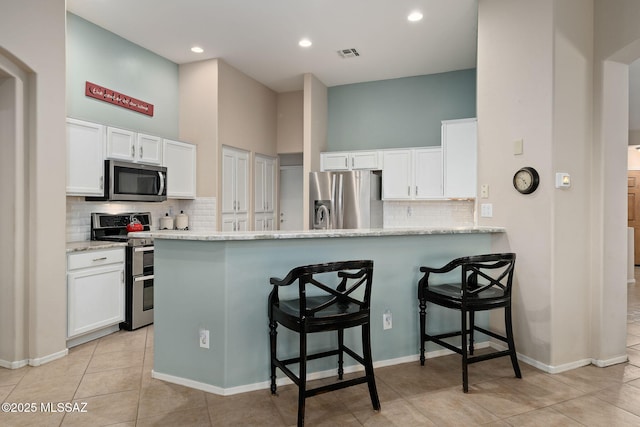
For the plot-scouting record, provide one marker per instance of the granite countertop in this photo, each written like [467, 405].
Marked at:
[311, 234]
[91, 245]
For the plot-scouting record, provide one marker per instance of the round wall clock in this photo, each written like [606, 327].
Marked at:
[526, 180]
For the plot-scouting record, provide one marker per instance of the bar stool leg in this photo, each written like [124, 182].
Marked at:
[465, 373]
[368, 366]
[302, 378]
[273, 344]
[341, 353]
[472, 325]
[510, 342]
[423, 319]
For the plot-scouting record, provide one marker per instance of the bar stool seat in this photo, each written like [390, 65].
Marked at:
[485, 284]
[339, 298]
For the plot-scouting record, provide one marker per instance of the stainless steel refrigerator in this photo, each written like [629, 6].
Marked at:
[345, 200]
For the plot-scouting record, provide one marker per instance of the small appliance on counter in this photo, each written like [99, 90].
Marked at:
[166, 222]
[182, 221]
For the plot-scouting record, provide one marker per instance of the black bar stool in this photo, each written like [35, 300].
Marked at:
[341, 299]
[485, 284]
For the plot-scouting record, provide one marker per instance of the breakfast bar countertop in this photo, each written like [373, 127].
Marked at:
[311, 234]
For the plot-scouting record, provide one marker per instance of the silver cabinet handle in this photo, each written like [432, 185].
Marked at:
[141, 151]
[346, 165]
[416, 190]
[408, 190]
[99, 259]
[133, 151]
[122, 276]
[102, 182]
[353, 162]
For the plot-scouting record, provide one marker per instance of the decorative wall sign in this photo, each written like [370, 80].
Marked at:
[111, 96]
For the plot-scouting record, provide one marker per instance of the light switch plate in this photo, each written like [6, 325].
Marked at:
[486, 210]
[518, 147]
[484, 191]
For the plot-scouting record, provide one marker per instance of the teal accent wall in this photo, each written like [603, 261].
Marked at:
[398, 113]
[101, 57]
[223, 286]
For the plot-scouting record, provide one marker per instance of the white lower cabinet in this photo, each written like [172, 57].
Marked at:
[264, 222]
[95, 290]
[235, 222]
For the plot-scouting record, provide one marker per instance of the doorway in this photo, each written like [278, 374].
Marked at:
[291, 193]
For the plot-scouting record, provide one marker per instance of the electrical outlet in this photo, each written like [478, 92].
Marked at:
[204, 338]
[386, 320]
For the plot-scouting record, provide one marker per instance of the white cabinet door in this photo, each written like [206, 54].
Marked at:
[427, 168]
[95, 294]
[365, 160]
[148, 149]
[397, 177]
[259, 203]
[85, 158]
[270, 185]
[180, 161]
[235, 187]
[343, 161]
[121, 144]
[334, 161]
[459, 145]
[228, 222]
[228, 181]
[242, 182]
[264, 184]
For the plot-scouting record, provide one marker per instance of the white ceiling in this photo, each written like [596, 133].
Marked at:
[260, 37]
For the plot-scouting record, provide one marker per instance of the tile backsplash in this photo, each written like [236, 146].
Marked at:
[429, 213]
[201, 212]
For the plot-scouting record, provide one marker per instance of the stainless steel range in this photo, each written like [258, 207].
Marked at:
[139, 263]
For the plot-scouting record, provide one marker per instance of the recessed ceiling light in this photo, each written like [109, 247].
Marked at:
[197, 49]
[304, 43]
[414, 16]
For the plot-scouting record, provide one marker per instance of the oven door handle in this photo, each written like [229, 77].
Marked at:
[143, 249]
[143, 278]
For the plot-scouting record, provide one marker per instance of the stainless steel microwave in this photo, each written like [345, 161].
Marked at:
[133, 182]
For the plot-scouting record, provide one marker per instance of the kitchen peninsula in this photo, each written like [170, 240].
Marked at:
[220, 282]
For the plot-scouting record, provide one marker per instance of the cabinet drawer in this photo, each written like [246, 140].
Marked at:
[95, 258]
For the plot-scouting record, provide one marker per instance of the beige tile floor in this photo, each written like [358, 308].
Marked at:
[112, 376]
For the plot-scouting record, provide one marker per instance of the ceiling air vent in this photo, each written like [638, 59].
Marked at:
[348, 53]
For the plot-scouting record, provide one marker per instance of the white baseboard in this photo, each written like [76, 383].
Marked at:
[13, 365]
[34, 362]
[608, 362]
[50, 358]
[284, 380]
[72, 342]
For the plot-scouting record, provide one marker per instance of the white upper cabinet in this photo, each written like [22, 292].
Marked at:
[355, 160]
[85, 158]
[397, 175]
[149, 149]
[412, 174]
[427, 167]
[459, 145]
[130, 146]
[180, 161]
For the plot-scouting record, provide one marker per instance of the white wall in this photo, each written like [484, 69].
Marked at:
[40, 247]
[554, 73]
[515, 98]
